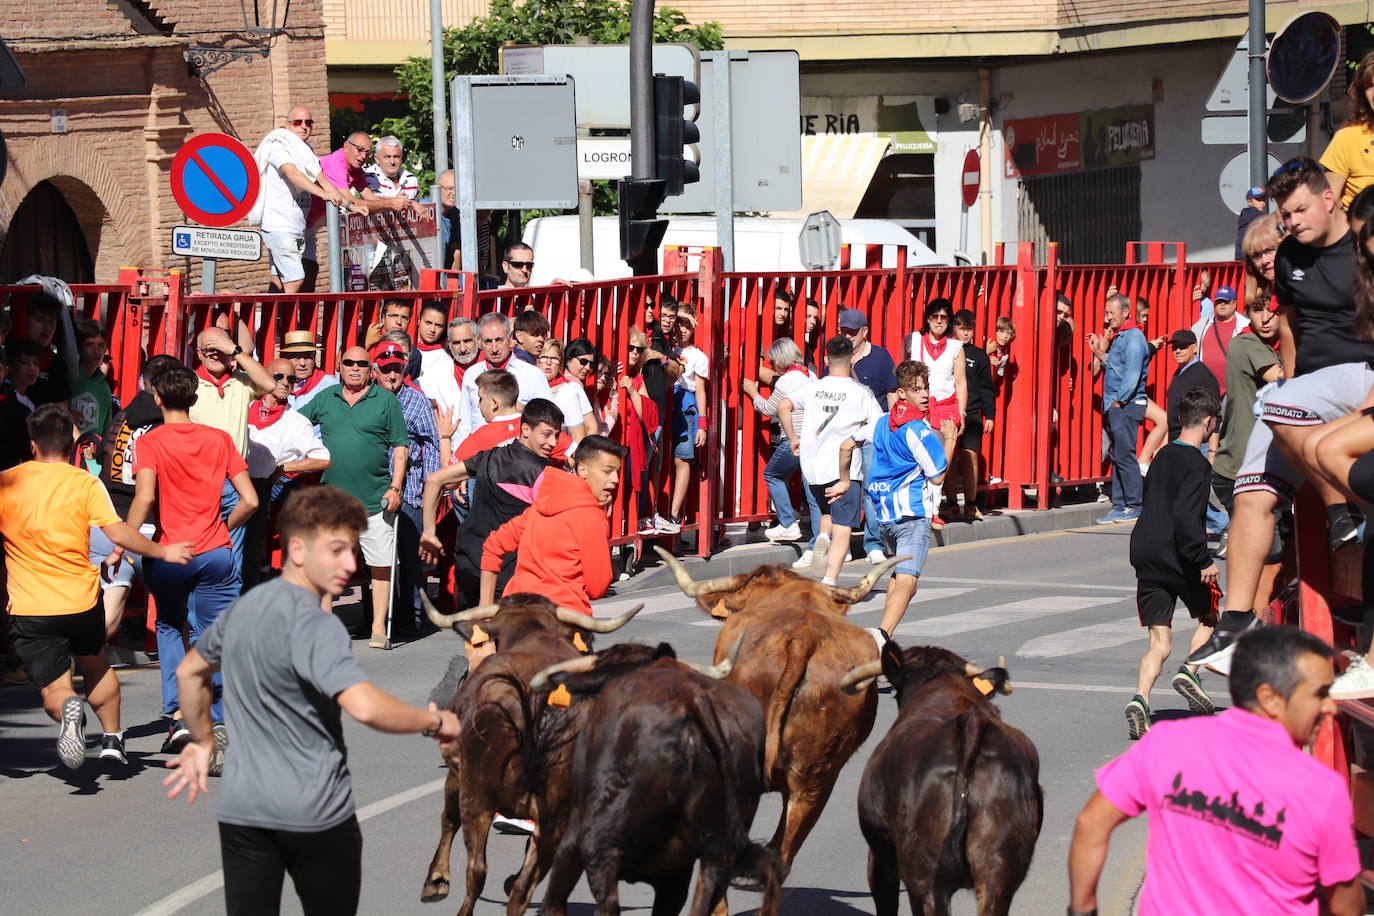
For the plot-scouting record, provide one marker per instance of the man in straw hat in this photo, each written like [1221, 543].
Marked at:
[299, 349]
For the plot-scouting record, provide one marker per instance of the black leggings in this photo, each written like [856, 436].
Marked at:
[325, 867]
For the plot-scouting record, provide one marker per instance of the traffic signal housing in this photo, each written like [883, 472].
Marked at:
[641, 231]
[673, 132]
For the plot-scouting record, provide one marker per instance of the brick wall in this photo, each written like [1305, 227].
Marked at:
[131, 102]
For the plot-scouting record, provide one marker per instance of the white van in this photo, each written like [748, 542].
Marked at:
[761, 244]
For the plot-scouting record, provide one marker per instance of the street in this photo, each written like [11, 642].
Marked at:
[1059, 606]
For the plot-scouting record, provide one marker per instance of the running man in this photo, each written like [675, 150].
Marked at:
[286, 804]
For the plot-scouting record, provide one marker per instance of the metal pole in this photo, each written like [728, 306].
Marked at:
[1259, 96]
[436, 76]
[585, 225]
[331, 228]
[724, 164]
[466, 179]
[642, 163]
[985, 162]
[207, 275]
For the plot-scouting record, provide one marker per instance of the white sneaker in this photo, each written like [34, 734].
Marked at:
[822, 545]
[666, 525]
[806, 560]
[878, 636]
[875, 557]
[1355, 683]
[513, 826]
[790, 532]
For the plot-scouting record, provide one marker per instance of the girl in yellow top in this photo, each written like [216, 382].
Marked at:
[1349, 157]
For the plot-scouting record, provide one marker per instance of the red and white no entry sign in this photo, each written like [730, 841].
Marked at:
[969, 180]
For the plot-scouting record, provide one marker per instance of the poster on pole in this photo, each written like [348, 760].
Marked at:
[387, 250]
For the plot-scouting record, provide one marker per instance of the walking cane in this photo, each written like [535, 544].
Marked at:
[391, 584]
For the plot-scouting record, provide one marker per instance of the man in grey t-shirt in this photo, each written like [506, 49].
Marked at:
[287, 804]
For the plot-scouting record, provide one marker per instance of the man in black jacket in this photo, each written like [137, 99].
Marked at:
[979, 414]
[1190, 372]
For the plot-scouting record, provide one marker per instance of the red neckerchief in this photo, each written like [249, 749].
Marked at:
[1128, 325]
[798, 367]
[901, 414]
[261, 417]
[557, 380]
[410, 383]
[309, 384]
[458, 372]
[218, 383]
[932, 349]
[427, 348]
[509, 357]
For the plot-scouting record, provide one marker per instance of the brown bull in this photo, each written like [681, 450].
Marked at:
[487, 767]
[797, 645]
[951, 796]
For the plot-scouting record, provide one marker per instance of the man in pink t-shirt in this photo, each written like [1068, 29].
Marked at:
[343, 168]
[1241, 821]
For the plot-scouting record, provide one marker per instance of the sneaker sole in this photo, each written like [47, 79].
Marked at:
[1198, 701]
[784, 539]
[510, 829]
[71, 740]
[112, 754]
[1364, 693]
[1137, 722]
[176, 743]
[216, 767]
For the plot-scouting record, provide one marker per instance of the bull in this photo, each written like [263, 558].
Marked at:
[951, 796]
[489, 766]
[797, 646]
[668, 771]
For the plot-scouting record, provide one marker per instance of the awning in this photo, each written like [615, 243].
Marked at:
[836, 171]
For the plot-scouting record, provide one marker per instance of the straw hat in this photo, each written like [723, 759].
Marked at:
[299, 343]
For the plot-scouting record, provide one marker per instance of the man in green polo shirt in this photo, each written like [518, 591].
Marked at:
[362, 421]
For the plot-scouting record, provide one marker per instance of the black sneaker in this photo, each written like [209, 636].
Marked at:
[216, 767]
[71, 735]
[1344, 527]
[178, 736]
[1137, 717]
[1223, 641]
[1190, 687]
[112, 748]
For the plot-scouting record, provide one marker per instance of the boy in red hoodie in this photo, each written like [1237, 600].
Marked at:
[562, 542]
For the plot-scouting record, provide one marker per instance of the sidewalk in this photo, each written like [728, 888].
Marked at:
[749, 549]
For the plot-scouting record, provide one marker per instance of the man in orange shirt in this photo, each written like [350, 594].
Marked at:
[562, 542]
[47, 510]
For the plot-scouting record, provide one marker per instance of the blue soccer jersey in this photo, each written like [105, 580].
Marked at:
[904, 461]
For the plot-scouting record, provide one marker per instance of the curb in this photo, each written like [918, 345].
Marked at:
[743, 557]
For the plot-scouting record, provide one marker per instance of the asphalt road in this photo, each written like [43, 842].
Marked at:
[1059, 606]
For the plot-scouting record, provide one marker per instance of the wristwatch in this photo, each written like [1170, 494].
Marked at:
[236, 351]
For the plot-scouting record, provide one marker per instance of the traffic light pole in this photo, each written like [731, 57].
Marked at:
[642, 89]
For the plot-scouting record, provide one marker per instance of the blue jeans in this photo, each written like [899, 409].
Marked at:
[1217, 519]
[1123, 426]
[872, 540]
[228, 501]
[193, 594]
[776, 473]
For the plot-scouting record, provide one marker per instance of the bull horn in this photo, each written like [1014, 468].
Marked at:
[579, 665]
[706, 586]
[445, 621]
[602, 625]
[971, 670]
[865, 585]
[859, 678]
[722, 670]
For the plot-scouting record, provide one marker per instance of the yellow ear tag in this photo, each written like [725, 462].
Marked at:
[479, 636]
[579, 643]
[984, 686]
[720, 610]
[560, 696]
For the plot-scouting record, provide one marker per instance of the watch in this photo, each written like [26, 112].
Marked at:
[237, 350]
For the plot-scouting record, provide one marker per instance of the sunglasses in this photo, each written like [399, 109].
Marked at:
[938, 318]
[635, 349]
[521, 265]
[308, 122]
[584, 360]
[279, 375]
[356, 363]
[390, 367]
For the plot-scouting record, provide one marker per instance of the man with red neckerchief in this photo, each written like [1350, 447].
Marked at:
[436, 375]
[1121, 357]
[494, 337]
[307, 378]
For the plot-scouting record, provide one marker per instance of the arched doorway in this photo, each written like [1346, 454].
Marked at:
[45, 238]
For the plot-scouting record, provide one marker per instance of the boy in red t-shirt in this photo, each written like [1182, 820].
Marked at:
[183, 466]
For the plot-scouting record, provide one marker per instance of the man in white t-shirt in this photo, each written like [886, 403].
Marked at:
[386, 176]
[836, 408]
[494, 337]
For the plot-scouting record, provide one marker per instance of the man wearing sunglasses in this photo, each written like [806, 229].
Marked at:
[517, 263]
[343, 168]
[364, 421]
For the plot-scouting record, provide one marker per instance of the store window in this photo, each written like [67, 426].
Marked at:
[903, 191]
[1092, 215]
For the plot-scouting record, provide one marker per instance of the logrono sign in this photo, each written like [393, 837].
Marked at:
[223, 244]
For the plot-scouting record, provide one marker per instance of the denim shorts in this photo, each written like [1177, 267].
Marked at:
[907, 537]
[684, 424]
[123, 575]
[284, 251]
[847, 510]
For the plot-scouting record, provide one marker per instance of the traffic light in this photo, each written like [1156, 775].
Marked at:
[641, 231]
[672, 132]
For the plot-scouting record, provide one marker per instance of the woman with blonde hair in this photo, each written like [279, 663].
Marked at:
[1347, 160]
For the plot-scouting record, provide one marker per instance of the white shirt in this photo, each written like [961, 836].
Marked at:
[528, 376]
[836, 408]
[572, 399]
[694, 363]
[382, 186]
[291, 438]
[941, 367]
[436, 378]
[282, 201]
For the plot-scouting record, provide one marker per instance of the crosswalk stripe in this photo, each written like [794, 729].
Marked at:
[874, 602]
[1011, 612]
[1083, 639]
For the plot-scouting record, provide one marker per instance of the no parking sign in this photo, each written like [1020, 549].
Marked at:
[214, 180]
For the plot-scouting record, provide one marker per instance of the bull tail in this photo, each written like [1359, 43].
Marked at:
[775, 716]
[953, 866]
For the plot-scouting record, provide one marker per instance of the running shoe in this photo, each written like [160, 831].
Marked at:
[1189, 687]
[822, 545]
[178, 736]
[513, 826]
[790, 532]
[71, 735]
[112, 748]
[806, 560]
[1344, 529]
[1112, 517]
[1356, 682]
[646, 527]
[1223, 641]
[216, 767]
[875, 557]
[1137, 717]
[666, 524]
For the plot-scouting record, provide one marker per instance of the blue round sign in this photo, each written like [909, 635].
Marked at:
[215, 180]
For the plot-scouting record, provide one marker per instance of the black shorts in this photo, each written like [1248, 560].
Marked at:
[1154, 601]
[972, 436]
[47, 644]
[846, 510]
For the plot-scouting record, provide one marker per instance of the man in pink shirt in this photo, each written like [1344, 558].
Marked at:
[1241, 820]
[343, 168]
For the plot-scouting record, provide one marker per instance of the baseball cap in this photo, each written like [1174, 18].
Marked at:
[852, 320]
[1255, 193]
[1183, 338]
[1224, 294]
[388, 353]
